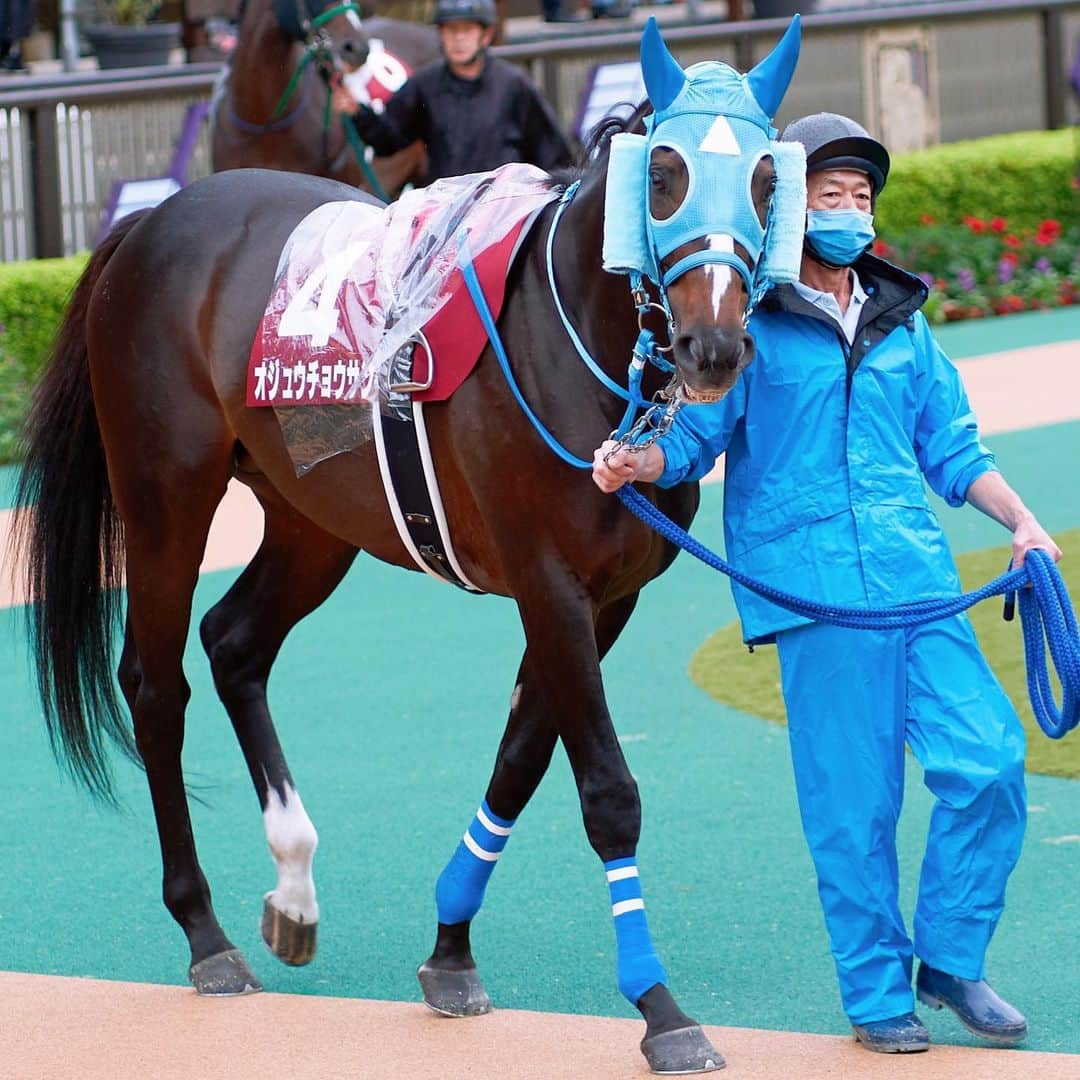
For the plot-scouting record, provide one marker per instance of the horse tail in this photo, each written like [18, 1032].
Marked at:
[68, 542]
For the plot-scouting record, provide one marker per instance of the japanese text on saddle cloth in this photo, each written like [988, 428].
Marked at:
[357, 283]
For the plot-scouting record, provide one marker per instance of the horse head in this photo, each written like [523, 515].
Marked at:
[331, 29]
[699, 183]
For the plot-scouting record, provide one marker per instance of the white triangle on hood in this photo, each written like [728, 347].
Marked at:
[720, 139]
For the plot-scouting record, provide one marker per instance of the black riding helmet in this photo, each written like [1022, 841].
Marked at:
[837, 142]
[478, 11]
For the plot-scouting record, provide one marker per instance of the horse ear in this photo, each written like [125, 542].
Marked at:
[770, 79]
[663, 76]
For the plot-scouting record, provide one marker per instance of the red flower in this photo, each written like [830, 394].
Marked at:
[1013, 240]
[881, 248]
[928, 219]
[998, 224]
[1010, 257]
[1048, 232]
[976, 225]
[1005, 305]
[941, 284]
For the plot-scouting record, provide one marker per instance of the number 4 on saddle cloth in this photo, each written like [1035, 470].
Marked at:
[369, 318]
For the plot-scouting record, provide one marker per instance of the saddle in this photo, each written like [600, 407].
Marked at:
[370, 308]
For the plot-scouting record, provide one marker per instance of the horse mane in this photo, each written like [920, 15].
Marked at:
[594, 152]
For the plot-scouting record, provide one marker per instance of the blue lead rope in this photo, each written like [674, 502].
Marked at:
[1046, 613]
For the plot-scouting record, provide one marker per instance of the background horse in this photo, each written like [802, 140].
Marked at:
[271, 41]
[140, 423]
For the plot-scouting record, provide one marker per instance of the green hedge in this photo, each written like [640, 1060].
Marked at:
[33, 297]
[1025, 177]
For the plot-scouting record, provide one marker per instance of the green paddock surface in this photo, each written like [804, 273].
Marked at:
[390, 702]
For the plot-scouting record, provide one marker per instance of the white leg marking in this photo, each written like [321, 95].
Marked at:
[292, 839]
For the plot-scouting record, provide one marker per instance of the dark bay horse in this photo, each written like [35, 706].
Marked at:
[271, 40]
[140, 423]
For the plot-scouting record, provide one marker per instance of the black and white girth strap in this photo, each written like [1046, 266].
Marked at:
[412, 493]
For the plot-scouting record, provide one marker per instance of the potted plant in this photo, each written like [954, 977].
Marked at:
[126, 35]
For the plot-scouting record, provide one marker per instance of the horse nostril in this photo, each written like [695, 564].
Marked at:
[696, 349]
[357, 54]
[739, 348]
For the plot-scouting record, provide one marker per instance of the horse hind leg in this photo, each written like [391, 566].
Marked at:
[295, 569]
[164, 539]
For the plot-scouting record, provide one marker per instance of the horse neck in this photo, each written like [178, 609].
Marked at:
[597, 303]
[262, 63]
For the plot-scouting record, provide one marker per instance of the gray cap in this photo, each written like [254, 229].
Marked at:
[838, 142]
[480, 11]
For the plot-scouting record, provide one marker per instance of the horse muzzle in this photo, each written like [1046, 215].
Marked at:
[710, 361]
[353, 51]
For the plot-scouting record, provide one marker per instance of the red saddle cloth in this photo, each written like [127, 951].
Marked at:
[355, 283]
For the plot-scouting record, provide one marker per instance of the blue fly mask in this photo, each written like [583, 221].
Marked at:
[720, 124]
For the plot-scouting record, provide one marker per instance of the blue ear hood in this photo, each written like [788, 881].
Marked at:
[714, 87]
[719, 123]
[769, 80]
[664, 78]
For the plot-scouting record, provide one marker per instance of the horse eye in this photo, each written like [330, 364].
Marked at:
[657, 179]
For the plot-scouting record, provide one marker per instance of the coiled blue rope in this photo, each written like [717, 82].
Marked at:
[1046, 613]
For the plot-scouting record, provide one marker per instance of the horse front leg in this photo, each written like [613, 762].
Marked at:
[448, 977]
[558, 620]
[673, 1042]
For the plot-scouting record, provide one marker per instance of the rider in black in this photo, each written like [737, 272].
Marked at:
[473, 112]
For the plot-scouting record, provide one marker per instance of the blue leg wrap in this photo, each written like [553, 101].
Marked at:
[639, 968]
[460, 888]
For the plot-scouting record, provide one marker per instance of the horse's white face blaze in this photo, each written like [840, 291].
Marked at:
[719, 276]
[292, 839]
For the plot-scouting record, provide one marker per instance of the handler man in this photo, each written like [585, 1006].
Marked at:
[829, 435]
[472, 111]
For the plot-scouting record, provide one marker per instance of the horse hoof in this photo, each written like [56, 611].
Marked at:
[224, 975]
[290, 941]
[453, 993]
[686, 1050]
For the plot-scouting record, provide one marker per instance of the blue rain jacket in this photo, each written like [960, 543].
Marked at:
[827, 449]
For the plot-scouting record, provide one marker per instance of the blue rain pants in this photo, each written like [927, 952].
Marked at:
[853, 698]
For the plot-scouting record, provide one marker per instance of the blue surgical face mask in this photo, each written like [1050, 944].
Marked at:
[839, 236]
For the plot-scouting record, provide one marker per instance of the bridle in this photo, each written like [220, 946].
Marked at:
[301, 24]
[298, 22]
